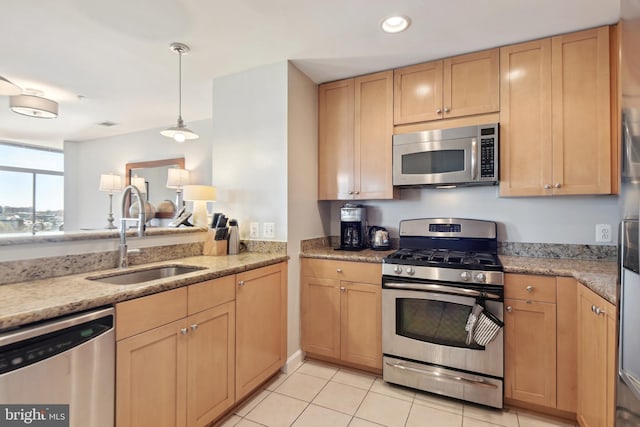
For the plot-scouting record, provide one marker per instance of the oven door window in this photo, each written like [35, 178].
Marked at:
[436, 322]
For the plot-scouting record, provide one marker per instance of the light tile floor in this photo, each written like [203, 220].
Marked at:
[323, 395]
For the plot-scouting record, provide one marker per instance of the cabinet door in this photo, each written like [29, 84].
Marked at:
[417, 93]
[151, 378]
[592, 360]
[211, 362]
[261, 326]
[373, 136]
[472, 84]
[530, 352]
[320, 313]
[336, 140]
[525, 118]
[581, 113]
[361, 326]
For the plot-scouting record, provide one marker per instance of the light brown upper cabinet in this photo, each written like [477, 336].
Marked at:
[555, 135]
[464, 85]
[355, 129]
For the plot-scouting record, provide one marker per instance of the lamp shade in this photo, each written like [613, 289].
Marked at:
[177, 178]
[139, 183]
[8, 88]
[34, 106]
[110, 182]
[199, 192]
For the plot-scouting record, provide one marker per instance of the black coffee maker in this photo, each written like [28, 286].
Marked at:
[353, 227]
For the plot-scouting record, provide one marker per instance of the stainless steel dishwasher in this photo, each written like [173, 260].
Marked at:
[69, 360]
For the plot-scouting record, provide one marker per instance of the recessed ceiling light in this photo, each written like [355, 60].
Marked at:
[395, 23]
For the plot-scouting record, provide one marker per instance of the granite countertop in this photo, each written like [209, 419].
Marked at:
[26, 302]
[599, 276]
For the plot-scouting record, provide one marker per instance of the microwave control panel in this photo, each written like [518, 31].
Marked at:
[488, 152]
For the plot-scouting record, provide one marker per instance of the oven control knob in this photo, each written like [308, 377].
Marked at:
[465, 276]
[480, 277]
[397, 269]
[411, 271]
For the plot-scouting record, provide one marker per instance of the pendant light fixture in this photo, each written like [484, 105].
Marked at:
[179, 133]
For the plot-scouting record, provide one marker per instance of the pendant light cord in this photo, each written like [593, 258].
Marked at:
[180, 85]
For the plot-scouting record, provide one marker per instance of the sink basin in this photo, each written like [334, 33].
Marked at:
[141, 276]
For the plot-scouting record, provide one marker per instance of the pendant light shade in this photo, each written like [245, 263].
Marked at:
[180, 132]
[8, 88]
[34, 106]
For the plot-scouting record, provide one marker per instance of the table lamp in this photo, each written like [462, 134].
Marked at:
[178, 178]
[200, 195]
[110, 183]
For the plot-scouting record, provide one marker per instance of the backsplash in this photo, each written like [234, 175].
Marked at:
[57, 266]
[555, 250]
[535, 250]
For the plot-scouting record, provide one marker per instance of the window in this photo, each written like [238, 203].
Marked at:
[31, 189]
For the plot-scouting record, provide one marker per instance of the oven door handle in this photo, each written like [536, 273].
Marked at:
[443, 376]
[443, 289]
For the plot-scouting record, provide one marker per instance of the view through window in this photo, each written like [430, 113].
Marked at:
[31, 188]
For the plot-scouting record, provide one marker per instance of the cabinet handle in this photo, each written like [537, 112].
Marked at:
[194, 326]
[351, 192]
[446, 109]
[509, 309]
[529, 288]
[438, 111]
[356, 192]
[241, 283]
[547, 186]
[558, 185]
[339, 270]
[599, 311]
[593, 308]
[184, 331]
[342, 289]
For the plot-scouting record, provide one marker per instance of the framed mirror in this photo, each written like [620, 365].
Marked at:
[155, 174]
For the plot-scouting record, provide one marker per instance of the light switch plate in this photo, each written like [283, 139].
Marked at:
[269, 230]
[254, 230]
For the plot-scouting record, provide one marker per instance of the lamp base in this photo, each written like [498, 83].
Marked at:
[199, 217]
[110, 225]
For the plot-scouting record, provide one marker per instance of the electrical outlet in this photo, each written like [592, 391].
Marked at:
[603, 233]
[254, 230]
[269, 230]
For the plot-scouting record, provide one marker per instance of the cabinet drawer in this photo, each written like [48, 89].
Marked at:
[342, 270]
[530, 287]
[142, 314]
[205, 295]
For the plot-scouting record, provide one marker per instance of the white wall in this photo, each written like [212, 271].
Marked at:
[304, 213]
[568, 219]
[86, 207]
[250, 147]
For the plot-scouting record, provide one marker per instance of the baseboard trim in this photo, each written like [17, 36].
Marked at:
[293, 362]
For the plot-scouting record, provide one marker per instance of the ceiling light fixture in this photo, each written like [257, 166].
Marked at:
[179, 133]
[8, 88]
[34, 106]
[395, 23]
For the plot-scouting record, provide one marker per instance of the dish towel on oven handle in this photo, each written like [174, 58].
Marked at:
[482, 326]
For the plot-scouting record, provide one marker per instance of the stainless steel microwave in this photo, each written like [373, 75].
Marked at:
[458, 156]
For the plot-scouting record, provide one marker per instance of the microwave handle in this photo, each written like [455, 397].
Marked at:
[474, 159]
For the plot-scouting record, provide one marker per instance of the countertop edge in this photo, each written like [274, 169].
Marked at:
[59, 294]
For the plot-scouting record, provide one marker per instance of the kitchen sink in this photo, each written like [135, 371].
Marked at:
[141, 276]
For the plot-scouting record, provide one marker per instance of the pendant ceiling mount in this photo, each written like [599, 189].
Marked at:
[180, 132]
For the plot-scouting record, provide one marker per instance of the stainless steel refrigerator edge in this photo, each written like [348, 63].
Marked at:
[628, 381]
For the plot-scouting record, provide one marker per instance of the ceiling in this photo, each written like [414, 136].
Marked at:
[110, 60]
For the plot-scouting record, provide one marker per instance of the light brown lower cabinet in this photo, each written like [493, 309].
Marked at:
[596, 360]
[182, 355]
[261, 326]
[341, 312]
[540, 342]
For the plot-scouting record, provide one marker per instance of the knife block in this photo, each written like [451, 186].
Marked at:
[214, 247]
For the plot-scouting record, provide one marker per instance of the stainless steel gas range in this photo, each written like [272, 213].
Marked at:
[442, 310]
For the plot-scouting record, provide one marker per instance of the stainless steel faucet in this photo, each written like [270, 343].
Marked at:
[124, 262]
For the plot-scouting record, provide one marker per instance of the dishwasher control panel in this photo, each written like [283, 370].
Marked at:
[23, 353]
